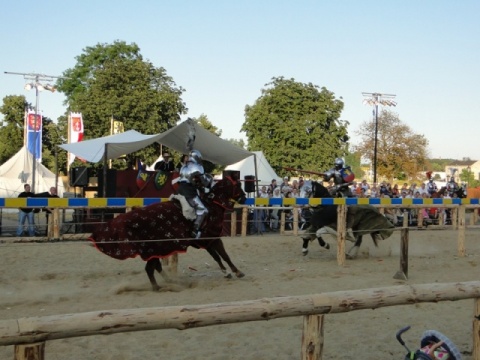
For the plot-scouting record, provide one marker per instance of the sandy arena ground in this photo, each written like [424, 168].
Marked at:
[71, 277]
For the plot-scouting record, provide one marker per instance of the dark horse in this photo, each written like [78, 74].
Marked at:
[160, 230]
[367, 220]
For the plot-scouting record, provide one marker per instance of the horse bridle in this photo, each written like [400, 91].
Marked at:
[231, 200]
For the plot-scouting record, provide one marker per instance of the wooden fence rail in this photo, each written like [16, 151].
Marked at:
[30, 334]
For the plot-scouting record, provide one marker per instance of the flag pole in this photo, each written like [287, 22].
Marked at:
[111, 133]
[25, 119]
[69, 139]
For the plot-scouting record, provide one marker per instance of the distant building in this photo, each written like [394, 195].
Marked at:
[458, 166]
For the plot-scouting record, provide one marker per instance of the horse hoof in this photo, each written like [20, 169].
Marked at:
[304, 251]
[327, 246]
[228, 276]
[240, 274]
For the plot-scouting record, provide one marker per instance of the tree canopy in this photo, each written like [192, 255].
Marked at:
[114, 81]
[12, 127]
[296, 125]
[401, 153]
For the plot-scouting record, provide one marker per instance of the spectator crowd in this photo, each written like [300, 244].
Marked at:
[268, 220]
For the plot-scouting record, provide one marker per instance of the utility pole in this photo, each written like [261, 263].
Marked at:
[40, 82]
[375, 99]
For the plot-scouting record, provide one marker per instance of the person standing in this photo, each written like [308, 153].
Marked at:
[165, 165]
[26, 213]
[182, 162]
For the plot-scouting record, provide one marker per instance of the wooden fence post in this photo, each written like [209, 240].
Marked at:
[56, 223]
[35, 351]
[402, 274]
[461, 230]
[312, 337]
[295, 220]
[476, 329]
[282, 223]
[244, 221]
[233, 223]
[420, 218]
[454, 218]
[341, 233]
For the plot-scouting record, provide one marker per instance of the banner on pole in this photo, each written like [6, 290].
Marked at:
[76, 132]
[34, 134]
[116, 127]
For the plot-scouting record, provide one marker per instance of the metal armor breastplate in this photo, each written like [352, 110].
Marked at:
[190, 171]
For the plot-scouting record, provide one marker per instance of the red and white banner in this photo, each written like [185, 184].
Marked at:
[33, 125]
[76, 132]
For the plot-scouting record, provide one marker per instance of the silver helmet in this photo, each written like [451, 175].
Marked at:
[338, 163]
[195, 156]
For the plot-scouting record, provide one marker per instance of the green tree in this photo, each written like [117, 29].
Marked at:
[354, 160]
[467, 176]
[113, 80]
[12, 126]
[296, 125]
[401, 153]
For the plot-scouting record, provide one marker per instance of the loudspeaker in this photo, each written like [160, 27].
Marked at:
[249, 183]
[234, 174]
[79, 176]
[111, 183]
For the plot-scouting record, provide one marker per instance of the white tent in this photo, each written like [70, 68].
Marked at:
[17, 171]
[247, 167]
[212, 147]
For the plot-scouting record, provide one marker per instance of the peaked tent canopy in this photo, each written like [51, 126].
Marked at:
[247, 167]
[17, 171]
[212, 147]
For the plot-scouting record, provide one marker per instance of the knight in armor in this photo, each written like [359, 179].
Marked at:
[191, 180]
[452, 187]
[342, 177]
[431, 186]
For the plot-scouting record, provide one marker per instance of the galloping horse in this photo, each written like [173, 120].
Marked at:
[367, 220]
[160, 230]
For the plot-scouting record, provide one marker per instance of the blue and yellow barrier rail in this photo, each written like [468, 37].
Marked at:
[359, 201]
[130, 202]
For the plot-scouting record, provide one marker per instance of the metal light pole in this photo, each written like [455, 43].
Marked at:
[375, 99]
[36, 81]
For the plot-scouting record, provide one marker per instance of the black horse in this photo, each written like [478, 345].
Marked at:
[367, 220]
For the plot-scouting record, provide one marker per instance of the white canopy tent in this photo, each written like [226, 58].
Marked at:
[212, 147]
[17, 171]
[247, 166]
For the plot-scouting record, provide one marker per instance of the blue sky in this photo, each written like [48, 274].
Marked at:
[224, 52]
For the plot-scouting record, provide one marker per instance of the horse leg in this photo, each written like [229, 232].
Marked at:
[323, 243]
[353, 252]
[305, 245]
[150, 267]
[220, 250]
[213, 253]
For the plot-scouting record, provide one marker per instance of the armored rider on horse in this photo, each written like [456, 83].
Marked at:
[342, 177]
[192, 178]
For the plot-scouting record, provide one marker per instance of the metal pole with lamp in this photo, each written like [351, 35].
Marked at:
[36, 81]
[375, 99]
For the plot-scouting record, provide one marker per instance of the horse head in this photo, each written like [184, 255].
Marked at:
[227, 192]
[319, 191]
